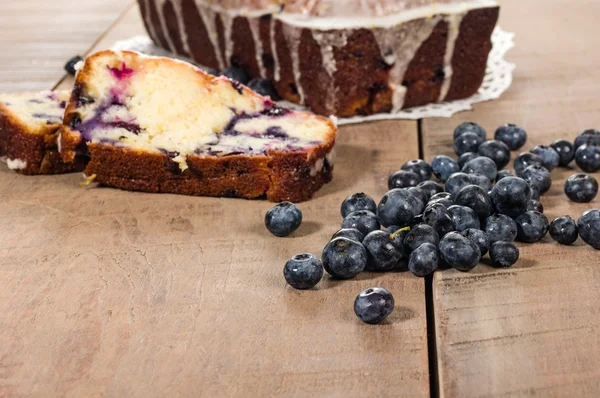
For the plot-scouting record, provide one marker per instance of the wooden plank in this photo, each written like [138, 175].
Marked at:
[105, 292]
[532, 329]
[39, 36]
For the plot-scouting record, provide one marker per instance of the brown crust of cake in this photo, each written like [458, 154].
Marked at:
[362, 75]
[278, 175]
[38, 149]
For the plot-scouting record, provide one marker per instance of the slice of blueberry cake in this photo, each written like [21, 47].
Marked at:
[160, 125]
[29, 124]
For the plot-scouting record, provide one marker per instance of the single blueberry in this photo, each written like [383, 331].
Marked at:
[403, 179]
[358, 201]
[480, 238]
[532, 226]
[443, 167]
[587, 137]
[264, 87]
[538, 177]
[438, 217]
[535, 205]
[70, 65]
[587, 158]
[382, 253]
[398, 207]
[481, 165]
[500, 227]
[565, 150]
[504, 254]
[511, 196]
[344, 258]
[481, 181]
[419, 167]
[468, 142]
[420, 234]
[431, 188]
[525, 160]
[303, 271]
[470, 127]
[363, 220]
[476, 198]
[424, 260]
[589, 228]
[373, 305]
[463, 217]
[350, 233]
[237, 74]
[504, 173]
[283, 219]
[512, 135]
[564, 230]
[458, 181]
[459, 252]
[550, 158]
[465, 157]
[495, 150]
[581, 188]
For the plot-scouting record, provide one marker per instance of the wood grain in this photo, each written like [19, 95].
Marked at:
[38, 37]
[533, 329]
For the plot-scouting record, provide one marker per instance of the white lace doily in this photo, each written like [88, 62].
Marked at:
[498, 78]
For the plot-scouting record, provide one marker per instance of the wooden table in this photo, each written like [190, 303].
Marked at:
[111, 293]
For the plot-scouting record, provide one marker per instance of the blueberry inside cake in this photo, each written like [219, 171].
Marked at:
[160, 125]
[29, 124]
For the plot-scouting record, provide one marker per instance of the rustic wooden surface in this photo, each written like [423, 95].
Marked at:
[532, 329]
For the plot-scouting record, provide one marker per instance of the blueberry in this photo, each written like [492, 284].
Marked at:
[459, 252]
[443, 167]
[495, 150]
[565, 150]
[525, 160]
[430, 188]
[511, 196]
[476, 198]
[303, 271]
[424, 260]
[350, 233]
[504, 173]
[500, 227]
[70, 65]
[480, 238]
[470, 127]
[587, 158]
[535, 205]
[363, 220]
[283, 219]
[550, 158]
[465, 157]
[358, 201]
[438, 217]
[420, 234]
[344, 258]
[532, 226]
[482, 181]
[382, 253]
[403, 179]
[463, 217]
[589, 228]
[538, 177]
[418, 193]
[419, 167]
[398, 207]
[564, 230]
[581, 188]
[512, 135]
[264, 87]
[504, 254]
[374, 305]
[481, 165]
[587, 137]
[237, 74]
[458, 181]
[468, 142]
[444, 200]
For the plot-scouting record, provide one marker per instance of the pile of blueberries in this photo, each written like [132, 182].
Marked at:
[475, 208]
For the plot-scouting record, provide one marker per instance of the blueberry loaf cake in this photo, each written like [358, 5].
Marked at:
[29, 124]
[341, 57]
[160, 125]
